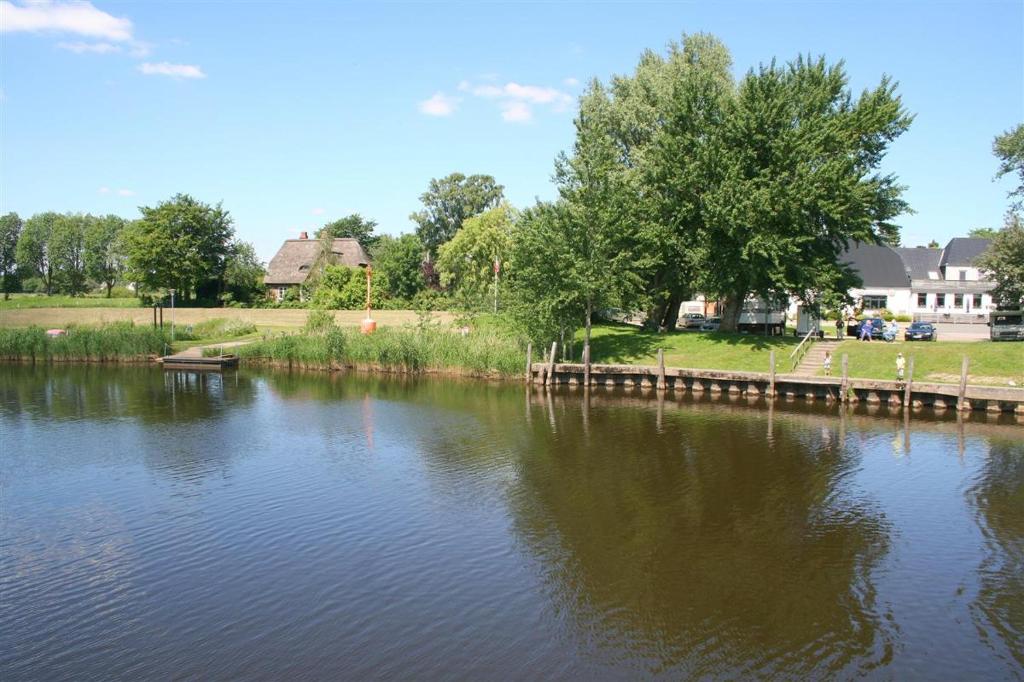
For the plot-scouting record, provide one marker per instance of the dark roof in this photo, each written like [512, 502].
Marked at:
[920, 261]
[294, 260]
[878, 266]
[961, 251]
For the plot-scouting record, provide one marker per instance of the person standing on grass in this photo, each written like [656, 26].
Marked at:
[901, 363]
[839, 328]
[865, 330]
[827, 364]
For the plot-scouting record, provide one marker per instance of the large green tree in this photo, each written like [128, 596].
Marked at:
[355, 226]
[1009, 148]
[104, 257]
[10, 230]
[795, 181]
[466, 261]
[399, 260]
[181, 243]
[448, 202]
[243, 273]
[33, 250]
[1003, 262]
[983, 233]
[67, 252]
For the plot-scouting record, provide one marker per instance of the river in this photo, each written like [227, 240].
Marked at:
[281, 525]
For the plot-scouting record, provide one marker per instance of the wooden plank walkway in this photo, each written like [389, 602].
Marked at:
[193, 358]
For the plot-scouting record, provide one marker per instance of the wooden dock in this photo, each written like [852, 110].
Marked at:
[193, 360]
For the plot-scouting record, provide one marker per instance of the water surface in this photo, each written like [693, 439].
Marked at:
[327, 526]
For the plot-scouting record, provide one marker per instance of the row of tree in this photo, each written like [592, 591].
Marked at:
[180, 244]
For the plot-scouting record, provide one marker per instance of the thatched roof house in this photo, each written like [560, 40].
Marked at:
[296, 259]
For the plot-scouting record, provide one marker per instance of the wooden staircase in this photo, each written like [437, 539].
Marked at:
[814, 358]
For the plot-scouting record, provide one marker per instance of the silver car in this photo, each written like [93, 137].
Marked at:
[692, 320]
[711, 324]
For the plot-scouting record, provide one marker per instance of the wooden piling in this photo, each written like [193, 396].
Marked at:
[551, 366]
[529, 363]
[771, 377]
[844, 386]
[961, 404]
[154, 316]
[662, 384]
[910, 381]
[586, 365]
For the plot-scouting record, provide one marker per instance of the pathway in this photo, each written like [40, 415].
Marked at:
[814, 358]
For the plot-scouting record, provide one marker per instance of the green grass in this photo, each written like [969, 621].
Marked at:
[120, 341]
[23, 301]
[995, 363]
[398, 349]
[623, 344]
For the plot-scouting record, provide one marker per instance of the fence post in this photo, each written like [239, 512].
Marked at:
[771, 376]
[551, 366]
[844, 386]
[161, 317]
[154, 316]
[960, 403]
[529, 363]
[662, 384]
[910, 381]
[586, 365]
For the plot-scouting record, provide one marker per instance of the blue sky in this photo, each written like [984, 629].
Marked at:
[295, 113]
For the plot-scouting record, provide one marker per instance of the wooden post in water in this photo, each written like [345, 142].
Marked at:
[662, 384]
[586, 365]
[960, 403]
[529, 363]
[844, 385]
[771, 376]
[910, 381]
[551, 367]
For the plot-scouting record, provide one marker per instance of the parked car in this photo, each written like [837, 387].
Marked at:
[877, 328]
[692, 320]
[711, 324]
[921, 331]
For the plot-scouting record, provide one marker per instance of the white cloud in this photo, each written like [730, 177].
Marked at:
[125, 193]
[439, 105]
[516, 112]
[172, 70]
[318, 211]
[97, 48]
[571, 82]
[81, 18]
[104, 190]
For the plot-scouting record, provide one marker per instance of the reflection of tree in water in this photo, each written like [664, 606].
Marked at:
[103, 392]
[998, 495]
[702, 550]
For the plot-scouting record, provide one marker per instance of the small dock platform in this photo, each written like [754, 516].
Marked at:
[193, 360]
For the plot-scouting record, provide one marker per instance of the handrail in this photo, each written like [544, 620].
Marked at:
[810, 333]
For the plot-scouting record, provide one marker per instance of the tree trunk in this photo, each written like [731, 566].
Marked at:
[590, 312]
[655, 315]
[110, 286]
[668, 322]
[731, 312]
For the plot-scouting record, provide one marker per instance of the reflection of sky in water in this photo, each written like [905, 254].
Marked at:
[344, 526]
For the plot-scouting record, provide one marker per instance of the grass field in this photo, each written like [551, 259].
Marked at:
[743, 352]
[996, 363]
[26, 301]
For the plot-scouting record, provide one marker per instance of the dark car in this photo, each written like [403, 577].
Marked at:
[920, 331]
[877, 328]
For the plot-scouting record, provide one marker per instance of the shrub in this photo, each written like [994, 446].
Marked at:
[904, 318]
[115, 341]
[319, 322]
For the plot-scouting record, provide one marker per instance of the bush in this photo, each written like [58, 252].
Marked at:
[904, 318]
[886, 314]
[319, 322]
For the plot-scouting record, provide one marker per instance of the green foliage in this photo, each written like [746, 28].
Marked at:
[1003, 262]
[983, 233]
[67, 253]
[355, 226]
[116, 341]
[33, 251]
[466, 262]
[34, 297]
[407, 350]
[399, 260]
[319, 322]
[448, 202]
[243, 274]
[344, 288]
[104, 259]
[216, 328]
[1009, 149]
[10, 230]
[180, 243]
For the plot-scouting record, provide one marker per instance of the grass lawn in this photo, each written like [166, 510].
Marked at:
[995, 363]
[698, 350]
[24, 301]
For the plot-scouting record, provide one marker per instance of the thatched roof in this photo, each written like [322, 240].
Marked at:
[296, 258]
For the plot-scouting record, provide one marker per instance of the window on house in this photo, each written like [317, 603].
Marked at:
[922, 300]
[281, 291]
[875, 302]
[940, 300]
[963, 275]
[958, 300]
[977, 301]
[303, 268]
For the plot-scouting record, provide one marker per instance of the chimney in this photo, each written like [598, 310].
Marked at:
[303, 235]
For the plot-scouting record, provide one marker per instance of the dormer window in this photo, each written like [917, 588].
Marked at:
[303, 268]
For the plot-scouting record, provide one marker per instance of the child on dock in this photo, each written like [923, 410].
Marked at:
[827, 364]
